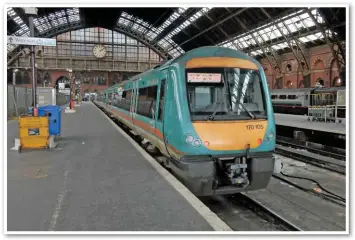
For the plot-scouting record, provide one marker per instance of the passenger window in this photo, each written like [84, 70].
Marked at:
[146, 101]
[161, 100]
[291, 97]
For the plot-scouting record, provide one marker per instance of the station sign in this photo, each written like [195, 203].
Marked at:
[49, 42]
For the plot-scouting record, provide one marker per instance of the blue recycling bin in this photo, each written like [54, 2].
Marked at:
[54, 116]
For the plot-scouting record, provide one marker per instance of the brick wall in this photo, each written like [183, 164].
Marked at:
[321, 64]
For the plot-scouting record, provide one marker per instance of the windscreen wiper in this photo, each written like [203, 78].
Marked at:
[211, 117]
[249, 113]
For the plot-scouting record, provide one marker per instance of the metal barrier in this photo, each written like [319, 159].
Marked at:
[325, 107]
[19, 100]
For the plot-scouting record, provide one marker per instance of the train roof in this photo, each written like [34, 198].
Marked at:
[298, 90]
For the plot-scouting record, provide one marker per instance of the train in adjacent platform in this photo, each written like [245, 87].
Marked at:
[297, 101]
[209, 114]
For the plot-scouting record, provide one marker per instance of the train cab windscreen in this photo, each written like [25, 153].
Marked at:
[225, 94]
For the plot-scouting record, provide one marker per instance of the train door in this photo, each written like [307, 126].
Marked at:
[134, 100]
[159, 112]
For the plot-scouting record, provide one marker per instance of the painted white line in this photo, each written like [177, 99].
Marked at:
[58, 207]
[216, 223]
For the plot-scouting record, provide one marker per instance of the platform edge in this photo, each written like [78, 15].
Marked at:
[212, 219]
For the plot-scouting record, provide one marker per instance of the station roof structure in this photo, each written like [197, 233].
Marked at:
[260, 32]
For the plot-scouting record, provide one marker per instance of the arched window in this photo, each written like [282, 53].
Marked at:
[337, 82]
[288, 68]
[318, 65]
[319, 82]
[289, 84]
[62, 83]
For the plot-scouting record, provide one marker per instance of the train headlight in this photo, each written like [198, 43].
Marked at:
[271, 135]
[197, 142]
[189, 139]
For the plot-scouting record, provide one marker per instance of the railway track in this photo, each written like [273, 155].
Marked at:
[240, 201]
[286, 142]
[266, 213]
[329, 163]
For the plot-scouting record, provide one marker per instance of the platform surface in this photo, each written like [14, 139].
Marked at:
[302, 123]
[95, 180]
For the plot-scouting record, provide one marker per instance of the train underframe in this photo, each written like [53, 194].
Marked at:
[221, 175]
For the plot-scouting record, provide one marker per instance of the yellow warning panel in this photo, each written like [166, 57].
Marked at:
[34, 132]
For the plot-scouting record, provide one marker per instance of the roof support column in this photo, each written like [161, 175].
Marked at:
[33, 11]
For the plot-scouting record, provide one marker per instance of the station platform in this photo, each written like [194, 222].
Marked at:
[96, 179]
[301, 122]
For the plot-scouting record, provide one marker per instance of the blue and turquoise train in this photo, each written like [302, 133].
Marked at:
[209, 114]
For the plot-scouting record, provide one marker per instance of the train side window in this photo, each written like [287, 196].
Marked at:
[161, 100]
[292, 97]
[142, 101]
[282, 96]
[146, 101]
[152, 97]
[274, 97]
[125, 102]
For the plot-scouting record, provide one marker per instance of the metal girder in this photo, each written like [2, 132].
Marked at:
[213, 26]
[176, 23]
[270, 57]
[151, 25]
[221, 29]
[141, 35]
[280, 40]
[266, 24]
[289, 42]
[25, 19]
[154, 46]
[336, 47]
[196, 26]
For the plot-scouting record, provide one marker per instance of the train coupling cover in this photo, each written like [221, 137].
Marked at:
[277, 165]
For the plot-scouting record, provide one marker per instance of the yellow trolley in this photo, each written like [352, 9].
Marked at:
[34, 132]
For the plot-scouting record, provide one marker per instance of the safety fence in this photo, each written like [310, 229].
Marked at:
[19, 99]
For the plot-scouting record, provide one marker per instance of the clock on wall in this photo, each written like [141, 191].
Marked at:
[99, 51]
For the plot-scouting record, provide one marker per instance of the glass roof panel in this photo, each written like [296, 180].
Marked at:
[267, 32]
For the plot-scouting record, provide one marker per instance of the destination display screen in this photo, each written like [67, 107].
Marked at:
[204, 77]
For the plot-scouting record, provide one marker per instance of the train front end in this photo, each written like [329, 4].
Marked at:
[229, 136]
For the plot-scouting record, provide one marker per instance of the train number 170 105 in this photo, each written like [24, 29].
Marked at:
[252, 127]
